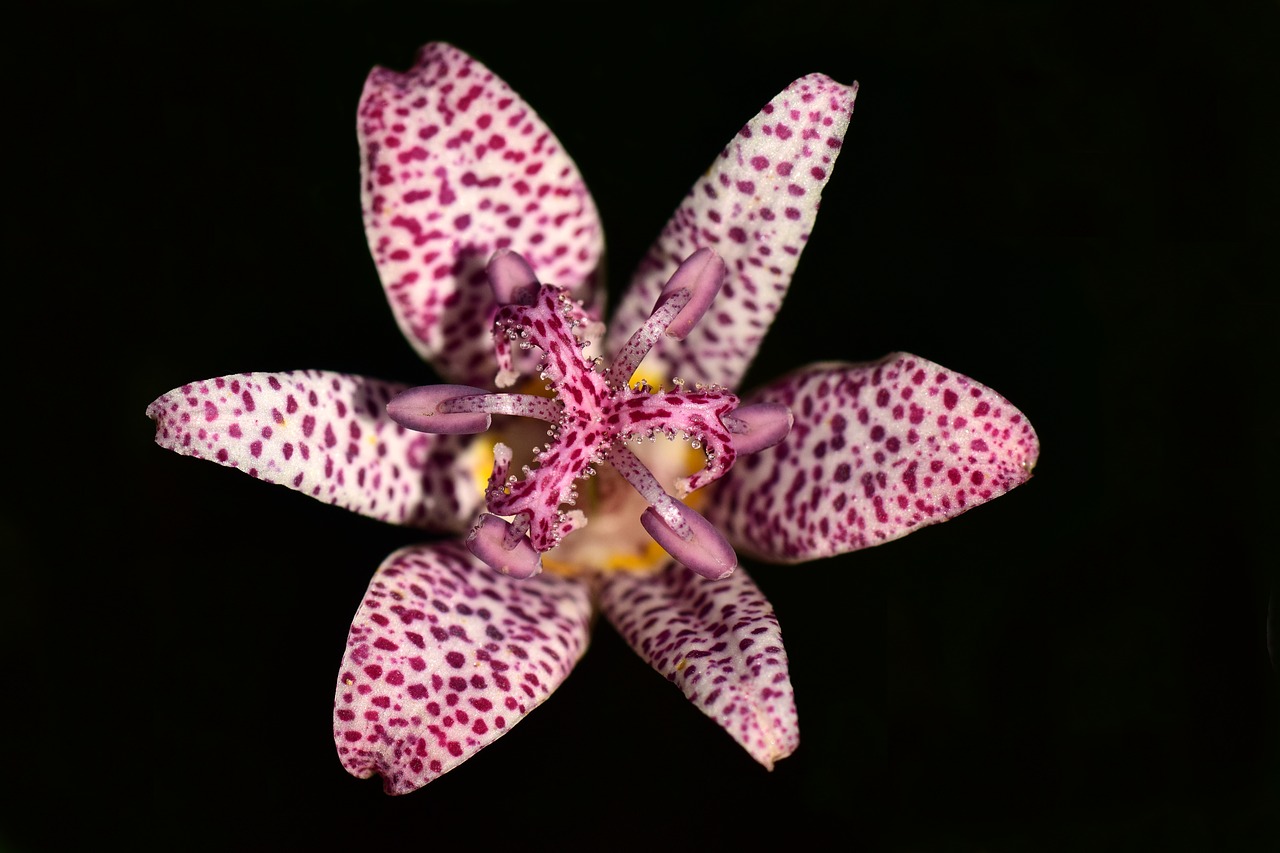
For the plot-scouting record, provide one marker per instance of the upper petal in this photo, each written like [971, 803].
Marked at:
[719, 641]
[326, 435]
[444, 657]
[877, 450]
[454, 166]
[755, 207]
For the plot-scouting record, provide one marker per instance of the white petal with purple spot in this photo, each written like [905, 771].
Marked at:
[326, 435]
[719, 642]
[455, 166]
[877, 450]
[755, 206]
[444, 657]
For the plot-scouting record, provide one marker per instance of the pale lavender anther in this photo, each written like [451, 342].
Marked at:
[512, 279]
[758, 426]
[493, 543]
[419, 409]
[701, 274]
[704, 550]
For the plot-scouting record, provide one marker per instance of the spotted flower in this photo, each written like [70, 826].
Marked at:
[585, 470]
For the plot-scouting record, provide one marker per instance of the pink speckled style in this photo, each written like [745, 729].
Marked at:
[489, 248]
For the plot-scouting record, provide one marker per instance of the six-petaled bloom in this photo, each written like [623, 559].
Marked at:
[489, 249]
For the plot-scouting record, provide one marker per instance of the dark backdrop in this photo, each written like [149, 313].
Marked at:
[1075, 205]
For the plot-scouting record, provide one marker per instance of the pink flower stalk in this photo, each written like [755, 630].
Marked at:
[489, 248]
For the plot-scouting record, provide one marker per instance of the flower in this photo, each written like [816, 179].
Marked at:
[479, 224]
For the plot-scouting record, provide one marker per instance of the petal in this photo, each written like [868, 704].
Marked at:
[444, 657]
[877, 450]
[755, 207]
[455, 165]
[719, 642]
[326, 435]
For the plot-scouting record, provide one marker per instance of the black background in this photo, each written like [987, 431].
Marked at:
[1076, 205]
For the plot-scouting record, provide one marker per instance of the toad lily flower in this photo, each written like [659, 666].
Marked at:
[489, 248]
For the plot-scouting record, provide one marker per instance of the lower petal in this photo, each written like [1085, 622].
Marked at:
[444, 657]
[326, 435]
[720, 643]
[877, 450]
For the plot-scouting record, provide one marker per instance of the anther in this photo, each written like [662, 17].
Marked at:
[702, 548]
[701, 274]
[419, 409]
[758, 426]
[679, 529]
[489, 541]
[685, 298]
[511, 278]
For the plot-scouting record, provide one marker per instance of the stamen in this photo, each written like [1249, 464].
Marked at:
[679, 529]
[702, 274]
[683, 301]
[642, 480]
[642, 340]
[758, 426]
[705, 551]
[419, 409]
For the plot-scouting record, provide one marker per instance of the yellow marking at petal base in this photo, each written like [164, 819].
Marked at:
[480, 462]
[647, 374]
[654, 557]
[683, 663]
[372, 440]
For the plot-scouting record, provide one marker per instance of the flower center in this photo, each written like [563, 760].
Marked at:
[593, 416]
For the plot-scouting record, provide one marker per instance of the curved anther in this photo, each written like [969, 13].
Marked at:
[758, 426]
[704, 549]
[511, 278]
[488, 541]
[701, 274]
[419, 409]
[678, 528]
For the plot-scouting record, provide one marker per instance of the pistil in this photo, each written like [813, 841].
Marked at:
[592, 415]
